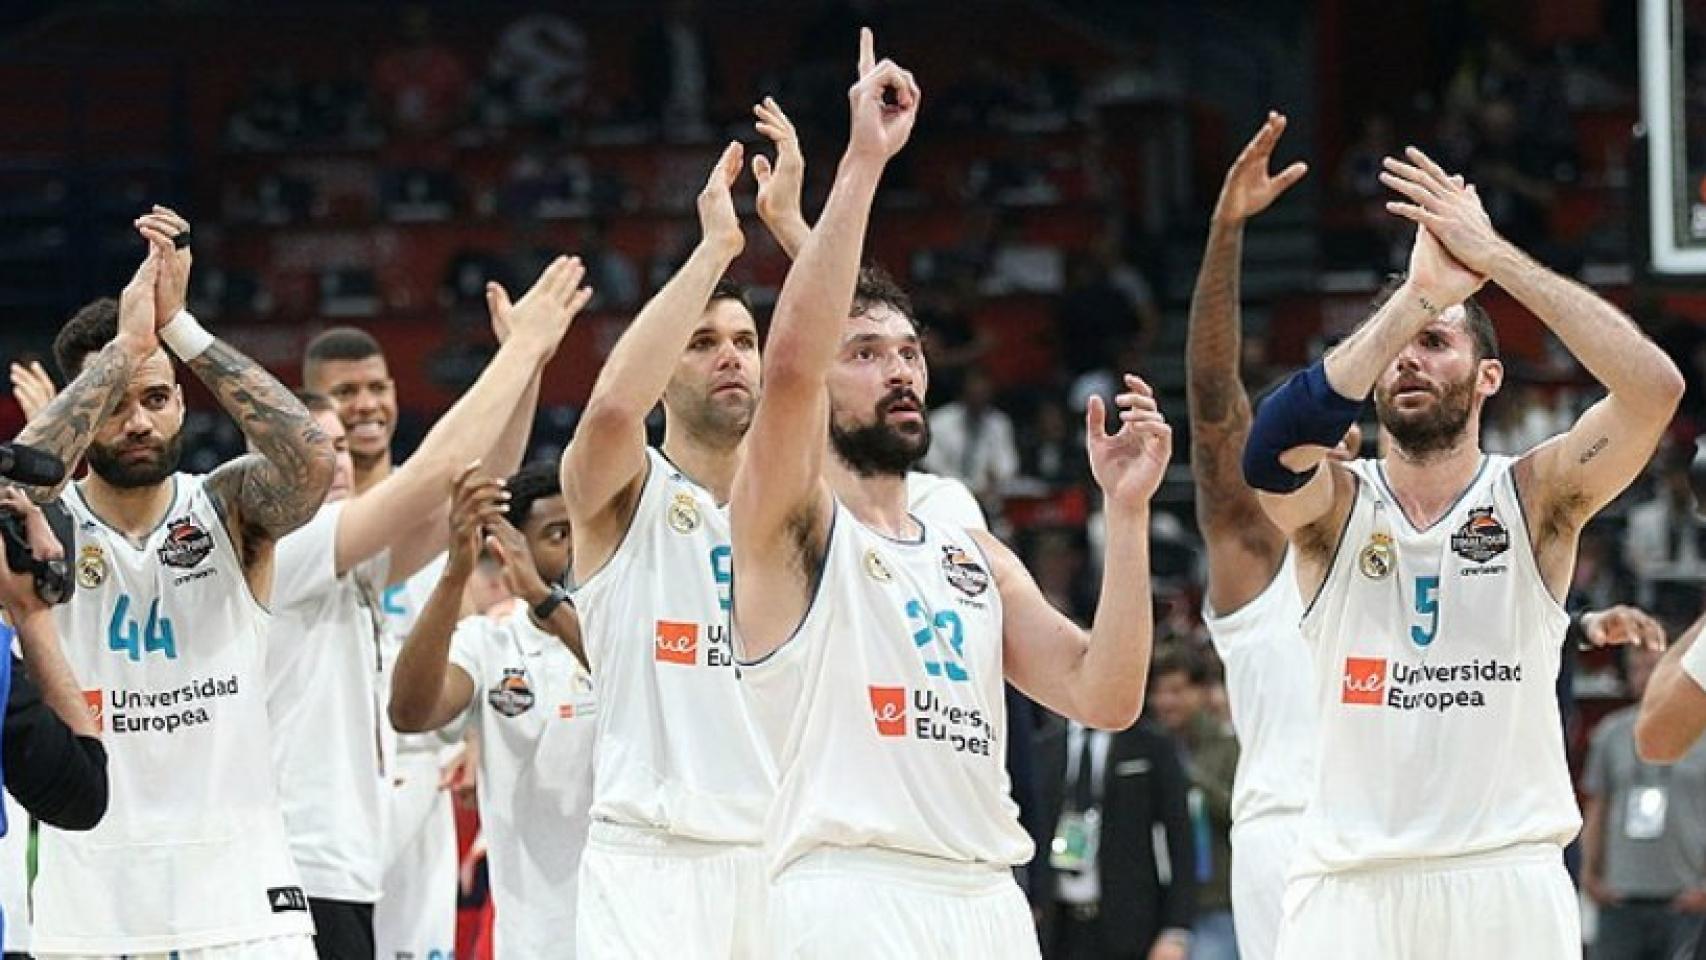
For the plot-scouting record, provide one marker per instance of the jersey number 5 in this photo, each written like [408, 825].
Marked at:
[1427, 604]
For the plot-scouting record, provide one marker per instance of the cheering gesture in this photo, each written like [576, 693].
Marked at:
[1449, 208]
[32, 388]
[1249, 188]
[718, 224]
[1129, 464]
[780, 184]
[884, 104]
[476, 504]
[545, 312]
[164, 227]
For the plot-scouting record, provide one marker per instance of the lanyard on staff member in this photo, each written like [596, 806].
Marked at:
[1078, 833]
[1648, 802]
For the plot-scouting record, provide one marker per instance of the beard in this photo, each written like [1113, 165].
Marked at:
[717, 422]
[878, 449]
[1420, 433]
[106, 464]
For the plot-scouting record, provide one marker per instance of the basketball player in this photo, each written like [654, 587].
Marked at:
[873, 645]
[1673, 711]
[531, 699]
[333, 753]
[1252, 607]
[1433, 579]
[174, 572]
[680, 785]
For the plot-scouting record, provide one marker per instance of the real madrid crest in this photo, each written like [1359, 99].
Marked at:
[874, 565]
[1378, 557]
[683, 514]
[91, 567]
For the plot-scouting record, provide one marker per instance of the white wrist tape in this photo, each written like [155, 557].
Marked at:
[185, 336]
[1694, 662]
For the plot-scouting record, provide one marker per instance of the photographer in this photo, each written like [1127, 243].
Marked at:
[50, 746]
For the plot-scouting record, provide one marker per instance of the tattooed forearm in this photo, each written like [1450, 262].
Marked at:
[1594, 450]
[280, 489]
[65, 426]
[1213, 389]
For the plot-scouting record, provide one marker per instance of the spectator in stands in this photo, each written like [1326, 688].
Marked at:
[1664, 546]
[1118, 835]
[419, 87]
[1524, 416]
[972, 439]
[1052, 455]
[613, 277]
[1178, 696]
[1644, 836]
[1106, 305]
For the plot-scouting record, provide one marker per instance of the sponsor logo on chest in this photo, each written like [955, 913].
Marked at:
[681, 643]
[1435, 688]
[186, 544]
[922, 714]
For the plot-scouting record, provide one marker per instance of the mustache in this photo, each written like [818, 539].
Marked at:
[897, 396]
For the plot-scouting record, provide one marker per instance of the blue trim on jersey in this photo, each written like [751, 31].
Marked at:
[688, 478]
[811, 604]
[164, 517]
[1338, 547]
[622, 541]
[1380, 472]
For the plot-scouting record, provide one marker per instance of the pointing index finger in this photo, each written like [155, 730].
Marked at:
[867, 50]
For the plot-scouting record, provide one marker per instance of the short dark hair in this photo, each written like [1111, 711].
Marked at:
[1178, 657]
[727, 289]
[88, 331]
[341, 343]
[534, 482]
[1480, 325]
[876, 288]
[315, 402]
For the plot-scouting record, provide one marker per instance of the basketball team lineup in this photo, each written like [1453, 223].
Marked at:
[745, 693]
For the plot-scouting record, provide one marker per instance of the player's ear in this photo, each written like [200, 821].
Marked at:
[1489, 376]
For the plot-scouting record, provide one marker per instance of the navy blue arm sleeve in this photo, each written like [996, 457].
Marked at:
[58, 776]
[1304, 411]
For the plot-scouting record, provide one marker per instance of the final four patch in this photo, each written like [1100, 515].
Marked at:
[964, 574]
[1482, 537]
[511, 696]
[186, 544]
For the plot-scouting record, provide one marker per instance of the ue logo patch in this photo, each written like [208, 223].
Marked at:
[511, 696]
[186, 544]
[888, 709]
[1482, 537]
[964, 574]
[1364, 681]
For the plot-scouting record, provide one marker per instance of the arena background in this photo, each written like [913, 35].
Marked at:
[373, 163]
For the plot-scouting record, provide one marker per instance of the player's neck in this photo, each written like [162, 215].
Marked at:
[1428, 485]
[878, 501]
[710, 465]
[369, 473]
[132, 511]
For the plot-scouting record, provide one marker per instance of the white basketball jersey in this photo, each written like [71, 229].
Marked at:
[886, 709]
[1270, 687]
[676, 750]
[1436, 653]
[168, 642]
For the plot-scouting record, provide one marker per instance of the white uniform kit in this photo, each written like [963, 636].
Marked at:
[331, 746]
[536, 715]
[1442, 800]
[415, 918]
[1270, 687]
[682, 783]
[191, 856]
[893, 833]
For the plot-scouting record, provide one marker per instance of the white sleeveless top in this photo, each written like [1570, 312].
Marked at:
[1270, 687]
[676, 750]
[1436, 653]
[885, 710]
[168, 643]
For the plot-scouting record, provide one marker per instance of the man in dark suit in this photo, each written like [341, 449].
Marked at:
[1114, 875]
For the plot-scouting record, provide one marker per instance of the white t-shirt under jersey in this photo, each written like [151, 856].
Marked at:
[886, 711]
[676, 751]
[536, 715]
[168, 642]
[1436, 652]
[331, 745]
[1270, 687]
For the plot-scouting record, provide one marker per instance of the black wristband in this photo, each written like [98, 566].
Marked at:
[543, 609]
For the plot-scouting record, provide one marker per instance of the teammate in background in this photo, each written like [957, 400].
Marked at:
[333, 753]
[1434, 578]
[892, 831]
[166, 628]
[531, 700]
[1673, 710]
[1251, 607]
[681, 784]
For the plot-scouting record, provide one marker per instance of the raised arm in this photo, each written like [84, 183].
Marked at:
[510, 448]
[427, 690]
[780, 505]
[66, 424]
[1673, 710]
[1095, 676]
[1244, 548]
[406, 511]
[605, 461]
[780, 184]
[1567, 480]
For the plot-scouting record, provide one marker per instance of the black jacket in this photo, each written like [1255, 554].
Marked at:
[59, 777]
[1143, 785]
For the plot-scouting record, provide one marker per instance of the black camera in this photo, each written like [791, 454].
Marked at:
[53, 580]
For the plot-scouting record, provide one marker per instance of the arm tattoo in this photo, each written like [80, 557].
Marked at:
[1213, 345]
[278, 490]
[1597, 448]
[65, 427]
